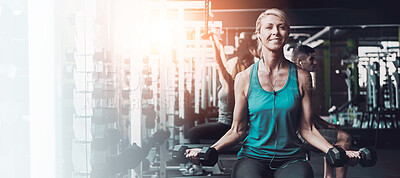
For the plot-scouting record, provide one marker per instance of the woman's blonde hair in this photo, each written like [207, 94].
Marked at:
[277, 12]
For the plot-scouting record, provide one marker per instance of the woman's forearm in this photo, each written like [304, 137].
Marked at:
[315, 138]
[231, 138]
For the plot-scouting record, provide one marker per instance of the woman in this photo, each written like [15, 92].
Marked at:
[215, 130]
[272, 102]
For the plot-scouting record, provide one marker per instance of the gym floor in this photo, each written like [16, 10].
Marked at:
[388, 166]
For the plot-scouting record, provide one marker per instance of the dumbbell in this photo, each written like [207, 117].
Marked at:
[207, 156]
[179, 121]
[147, 93]
[148, 81]
[133, 155]
[110, 138]
[336, 157]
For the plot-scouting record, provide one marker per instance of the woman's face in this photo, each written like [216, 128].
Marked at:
[273, 32]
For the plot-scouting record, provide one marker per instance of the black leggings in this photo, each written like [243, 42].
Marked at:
[213, 130]
[254, 168]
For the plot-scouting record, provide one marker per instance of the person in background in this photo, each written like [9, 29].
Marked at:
[303, 57]
[228, 69]
[227, 73]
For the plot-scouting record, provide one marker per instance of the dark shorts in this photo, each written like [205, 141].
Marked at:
[329, 134]
[248, 167]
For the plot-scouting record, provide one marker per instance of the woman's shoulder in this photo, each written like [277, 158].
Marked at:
[242, 81]
[243, 77]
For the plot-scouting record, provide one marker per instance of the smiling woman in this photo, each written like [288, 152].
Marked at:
[272, 103]
[274, 95]
[272, 29]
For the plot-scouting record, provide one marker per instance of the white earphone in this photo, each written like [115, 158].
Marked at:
[259, 38]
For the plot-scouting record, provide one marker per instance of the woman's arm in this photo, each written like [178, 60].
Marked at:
[221, 61]
[240, 114]
[240, 118]
[307, 129]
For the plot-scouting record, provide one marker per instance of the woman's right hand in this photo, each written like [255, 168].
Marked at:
[354, 157]
[193, 155]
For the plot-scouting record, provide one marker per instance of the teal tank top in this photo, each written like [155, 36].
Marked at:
[273, 135]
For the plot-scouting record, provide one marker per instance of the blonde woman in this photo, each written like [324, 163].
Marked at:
[272, 103]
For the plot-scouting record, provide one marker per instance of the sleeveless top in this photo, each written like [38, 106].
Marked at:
[226, 103]
[273, 135]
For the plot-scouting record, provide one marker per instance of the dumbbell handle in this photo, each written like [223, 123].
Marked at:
[207, 156]
[337, 157]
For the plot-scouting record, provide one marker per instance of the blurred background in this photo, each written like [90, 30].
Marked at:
[84, 80]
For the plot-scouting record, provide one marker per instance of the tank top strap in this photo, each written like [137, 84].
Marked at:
[293, 72]
[253, 76]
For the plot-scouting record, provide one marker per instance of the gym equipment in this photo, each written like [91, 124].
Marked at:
[207, 156]
[111, 137]
[150, 116]
[178, 153]
[336, 157]
[148, 111]
[381, 92]
[99, 55]
[69, 71]
[179, 121]
[148, 81]
[105, 75]
[125, 108]
[104, 115]
[146, 70]
[99, 173]
[206, 35]
[146, 60]
[133, 155]
[129, 158]
[70, 54]
[68, 90]
[368, 157]
[125, 94]
[147, 93]
[150, 123]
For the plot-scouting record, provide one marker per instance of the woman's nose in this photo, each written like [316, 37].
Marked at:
[274, 30]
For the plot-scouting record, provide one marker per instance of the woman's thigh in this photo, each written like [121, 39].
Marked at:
[298, 169]
[214, 130]
[253, 168]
